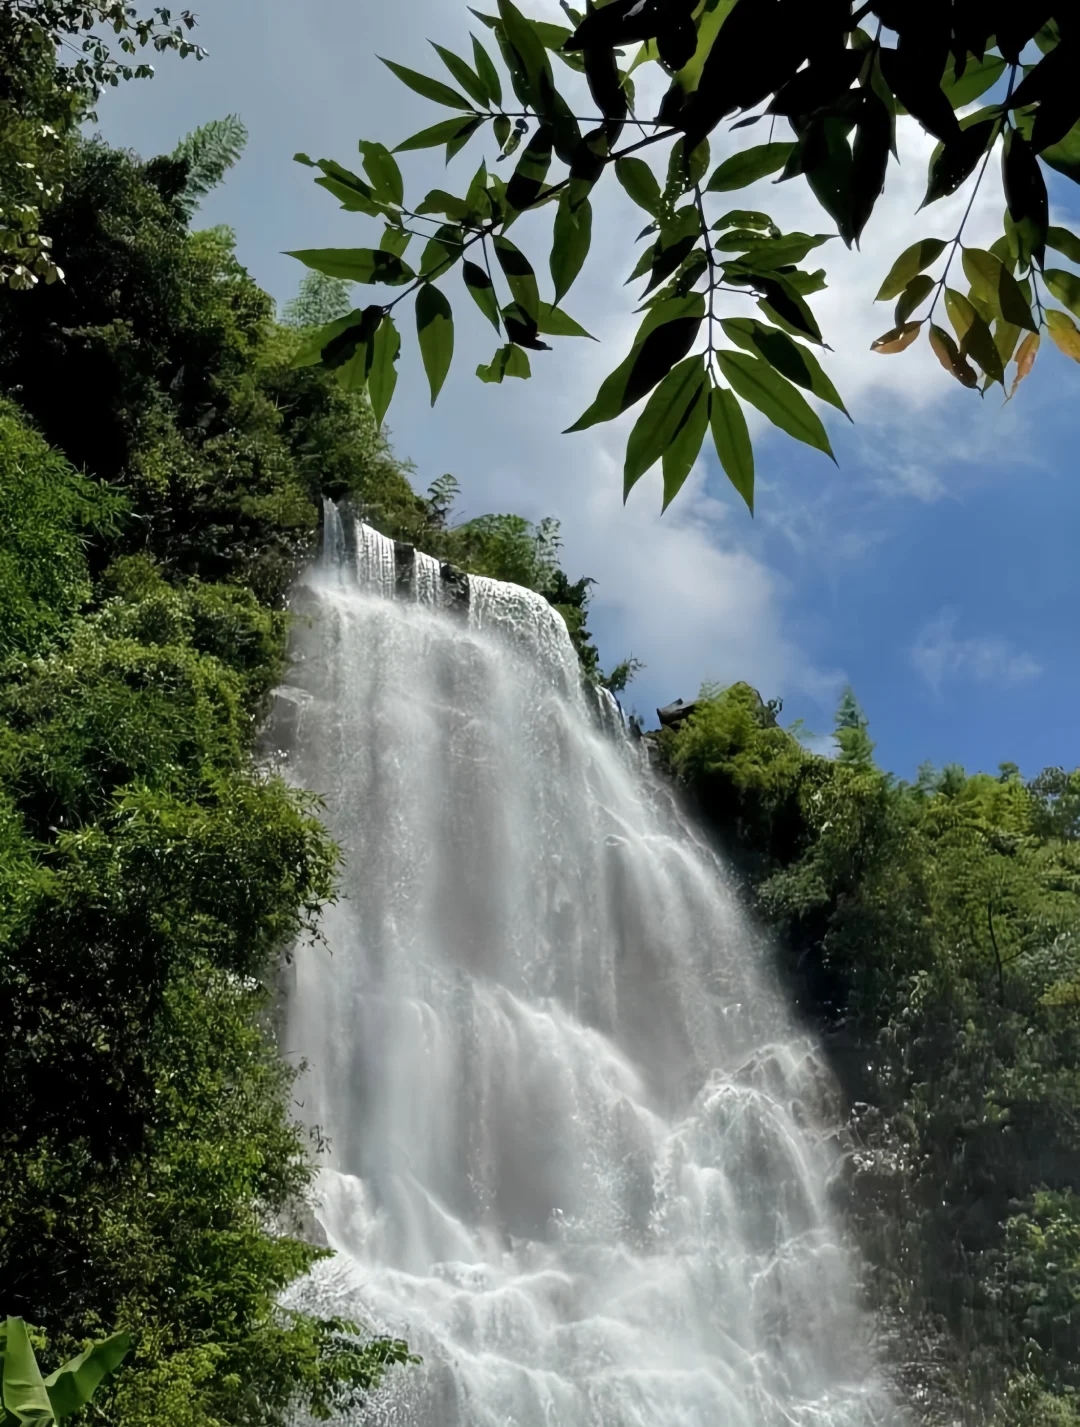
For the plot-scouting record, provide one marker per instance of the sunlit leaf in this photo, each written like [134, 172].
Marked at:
[72, 1386]
[23, 1389]
[519, 274]
[973, 334]
[948, 354]
[640, 183]
[472, 84]
[435, 329]
[748, 165]
[554, 322]
[488, 74]
[382, 375]
[683, 449]
[1064, 334]
[911, 261]
[917, 291]
[1064, 242]
[1025, 360]
[508, 361]
[732, 441]
[380, 167]
[363, 265]
[756, 382]
[1065, 286]
[996, 285]
[442, 133]
[897, 339]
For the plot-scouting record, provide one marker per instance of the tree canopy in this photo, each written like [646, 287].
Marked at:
[827, 83]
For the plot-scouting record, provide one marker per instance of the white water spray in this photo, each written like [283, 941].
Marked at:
[578, 1157]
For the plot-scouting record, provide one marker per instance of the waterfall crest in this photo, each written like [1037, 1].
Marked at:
[579, 1157]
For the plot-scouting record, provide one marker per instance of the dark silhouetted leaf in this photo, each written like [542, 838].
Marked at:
[522, 36]
[523, 329]
[570, 243]
[1025, 194]
[732, 442]
[658, 423]
[482, 292]
[957, 159]
[917, 291]
[683, 449]
[912, 75]
[519, 275]
[756, 382]
[428, 88]
[528, 178]
[748, 165]
[788, 357]
[666, 335]
[870, 159]
[435, 329]
[911, 261]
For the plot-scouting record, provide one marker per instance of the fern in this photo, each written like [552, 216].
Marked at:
[209, 152]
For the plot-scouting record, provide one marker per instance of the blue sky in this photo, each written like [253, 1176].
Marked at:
[934, 568]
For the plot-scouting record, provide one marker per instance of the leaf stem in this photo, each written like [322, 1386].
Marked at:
[711, 260]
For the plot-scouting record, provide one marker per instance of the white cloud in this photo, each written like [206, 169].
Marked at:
[939, 655]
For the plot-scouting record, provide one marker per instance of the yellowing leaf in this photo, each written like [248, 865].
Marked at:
[896, 339]
[947, 353]
[1064, 334]
[1025, 360]
[911, 261]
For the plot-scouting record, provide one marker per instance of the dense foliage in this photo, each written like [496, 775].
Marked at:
[931, 933]
[160, 479]
[830, 80]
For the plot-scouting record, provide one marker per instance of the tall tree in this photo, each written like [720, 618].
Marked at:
[829, 82]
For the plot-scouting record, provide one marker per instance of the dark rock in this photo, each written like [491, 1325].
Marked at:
[404, 568]
[673, 714]
[455, 587]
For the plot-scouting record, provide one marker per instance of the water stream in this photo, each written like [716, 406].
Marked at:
[579, 1157]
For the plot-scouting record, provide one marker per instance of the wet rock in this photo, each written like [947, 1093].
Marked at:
[671, 715]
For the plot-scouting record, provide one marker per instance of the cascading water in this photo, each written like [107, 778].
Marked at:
[578, 1157]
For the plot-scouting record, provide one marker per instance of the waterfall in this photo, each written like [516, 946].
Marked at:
[579, 1157]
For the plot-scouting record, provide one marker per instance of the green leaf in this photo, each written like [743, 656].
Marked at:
[995, 285]
[526, 43]
[395, 240]
[1065, 286]
[911, 261]
[973, 334]
[918, 290]
[439, 201]
[443, 132]
[786, 356]
[72, 1386]
[435, 329]
[441, 252]
[1062, 241]
[382, 375]
[977, 78]
[364, 265]
[310, 351]
[640, 183]
[570, 242]
[472, 84]
[664, 412]
[732, 442]
[532, 167]
[508, 361]
[683, 175]
[349, 189]
[25, 1396]
[1065, 156]
[556, 323]
[462, 137]
[761, 223]
[1063, 333]
[428, 88]
[519, 275]
[748, 166]
[682, 451]
[665, 336]
[756, 382]
[482, 291]
[380, 167]
[486, 71]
